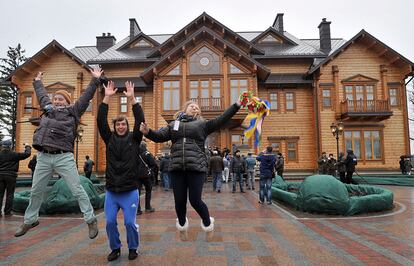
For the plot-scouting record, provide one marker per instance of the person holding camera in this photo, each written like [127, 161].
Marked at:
[121, 171]
[9, 166]
[54, 139]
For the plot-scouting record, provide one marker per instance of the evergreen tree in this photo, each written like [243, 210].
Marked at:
[8, 92]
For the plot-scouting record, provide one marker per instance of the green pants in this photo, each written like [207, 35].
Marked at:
[63, 164]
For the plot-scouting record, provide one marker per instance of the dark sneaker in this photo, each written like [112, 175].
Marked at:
[114, 254]
[252, 188]
[218, 191]
[24, 228]
[243, 191]
[132, 254]
[93, 229]
[149, 210]
[139, 212]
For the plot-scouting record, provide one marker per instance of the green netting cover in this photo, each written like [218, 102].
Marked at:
[27, 182]
[59, 198]
[394, 180]
[325, 194]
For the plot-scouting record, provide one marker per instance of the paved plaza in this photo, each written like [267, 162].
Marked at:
[247, 233]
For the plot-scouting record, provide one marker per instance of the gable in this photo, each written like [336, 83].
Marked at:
[359, 78]
[139, 41]
[272, 36]
[270, 39]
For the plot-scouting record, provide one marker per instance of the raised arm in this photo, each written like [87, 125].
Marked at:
[161, 135]
[218, 122]
[23, 155]
[102, 119]
[40, 91]
[136, 109]
[82, 103]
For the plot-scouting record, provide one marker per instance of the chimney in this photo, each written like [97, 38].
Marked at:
[278, 23]
[134, 28]
[325, 36]
[105, 41]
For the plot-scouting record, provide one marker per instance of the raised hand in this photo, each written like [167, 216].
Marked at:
[110, 88]
[96, 72]
[129, 89]
[39, 76]
[143, 128]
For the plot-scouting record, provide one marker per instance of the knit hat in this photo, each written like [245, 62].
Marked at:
[65, 95]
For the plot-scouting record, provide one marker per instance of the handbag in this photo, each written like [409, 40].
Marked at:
[144, 171]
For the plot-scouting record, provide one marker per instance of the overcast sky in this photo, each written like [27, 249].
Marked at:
[75, 23]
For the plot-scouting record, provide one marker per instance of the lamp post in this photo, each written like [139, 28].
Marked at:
[79, 134]
[337, 130]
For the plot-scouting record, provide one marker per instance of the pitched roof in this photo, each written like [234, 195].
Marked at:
[286, 78]
[136, 37]
[52, 44]
[262, 70]
[340, 49]
[202, 21]
[272, 30]
[85, 52]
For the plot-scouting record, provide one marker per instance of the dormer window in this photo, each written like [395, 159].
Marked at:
[235, 70]
[269, 39]
[141, 43]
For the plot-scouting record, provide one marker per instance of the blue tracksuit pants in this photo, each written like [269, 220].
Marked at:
[128, 202]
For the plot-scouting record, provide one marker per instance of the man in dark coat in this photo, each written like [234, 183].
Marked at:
[322, 164]
[331, 165]
[9, 166]
[280, 164]
[237, 167]
[341, 167]
[88, 167]
[216, 169]
[267, 165]
[350, 162]
[149, 160]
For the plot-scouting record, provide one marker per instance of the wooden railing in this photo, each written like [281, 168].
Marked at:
[365, 106]
[209, 104]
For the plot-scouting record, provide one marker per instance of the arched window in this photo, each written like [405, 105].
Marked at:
[204, 61]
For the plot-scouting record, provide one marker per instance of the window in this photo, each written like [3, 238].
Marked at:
[175, 71]
[367, 148]
[138, 99]
[360, 97]
[273, 100]
[28, 104]
[372, 145]
[394, 96]
[123, 107]
[204, 61]
[235, 70]
[292, 151]
[142, 43]
[171, 95]
[276, 147]
[326, 98]
[207, 93]
[290, 101]
[269, 39]
[237, 86]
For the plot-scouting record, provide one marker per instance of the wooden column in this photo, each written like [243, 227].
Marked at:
[184, 81]
[157, 109]
[337, 89]
[226, 92]
[384, 81]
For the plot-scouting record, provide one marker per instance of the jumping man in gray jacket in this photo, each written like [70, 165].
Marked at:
[54, 139]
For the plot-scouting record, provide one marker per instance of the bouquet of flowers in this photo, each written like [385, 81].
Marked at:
[258, 110]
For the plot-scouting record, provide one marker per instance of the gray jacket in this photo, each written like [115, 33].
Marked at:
[58, 125]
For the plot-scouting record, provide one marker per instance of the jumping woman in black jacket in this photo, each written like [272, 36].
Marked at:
[189, 164]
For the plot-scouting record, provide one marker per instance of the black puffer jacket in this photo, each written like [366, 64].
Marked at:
[121, 151]
[9, 161]
[58, 125]
[187, 150]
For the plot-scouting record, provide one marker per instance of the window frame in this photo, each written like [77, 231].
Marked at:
[327, 107]
[362, 143]
[121, 104]
[270, 92]
[296, 142]
[238, 87]
[293, 101]
[397, 96]
[25, 97]
[163, 89]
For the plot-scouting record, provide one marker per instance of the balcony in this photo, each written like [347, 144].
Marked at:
[376, 110]
[209, 104]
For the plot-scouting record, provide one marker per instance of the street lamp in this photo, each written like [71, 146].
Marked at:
[79, 134]
[337, 130]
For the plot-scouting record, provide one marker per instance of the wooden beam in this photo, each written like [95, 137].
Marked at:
[239, 57]
[26, 70]
[372, 44]
[35, 62]
[395, 59]
[214, 41]
[383, 52]
[46, 54]
[185, 32]
[169, 59]
[223, 32]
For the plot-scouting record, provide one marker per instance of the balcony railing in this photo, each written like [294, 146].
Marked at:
[209, 104]
[366, 108]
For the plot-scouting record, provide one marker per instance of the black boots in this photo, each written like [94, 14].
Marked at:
[132, 254]
[114, 254]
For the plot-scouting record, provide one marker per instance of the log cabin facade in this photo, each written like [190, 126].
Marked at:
[310, 83]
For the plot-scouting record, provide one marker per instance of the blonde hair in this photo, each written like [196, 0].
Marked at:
[184, 108]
